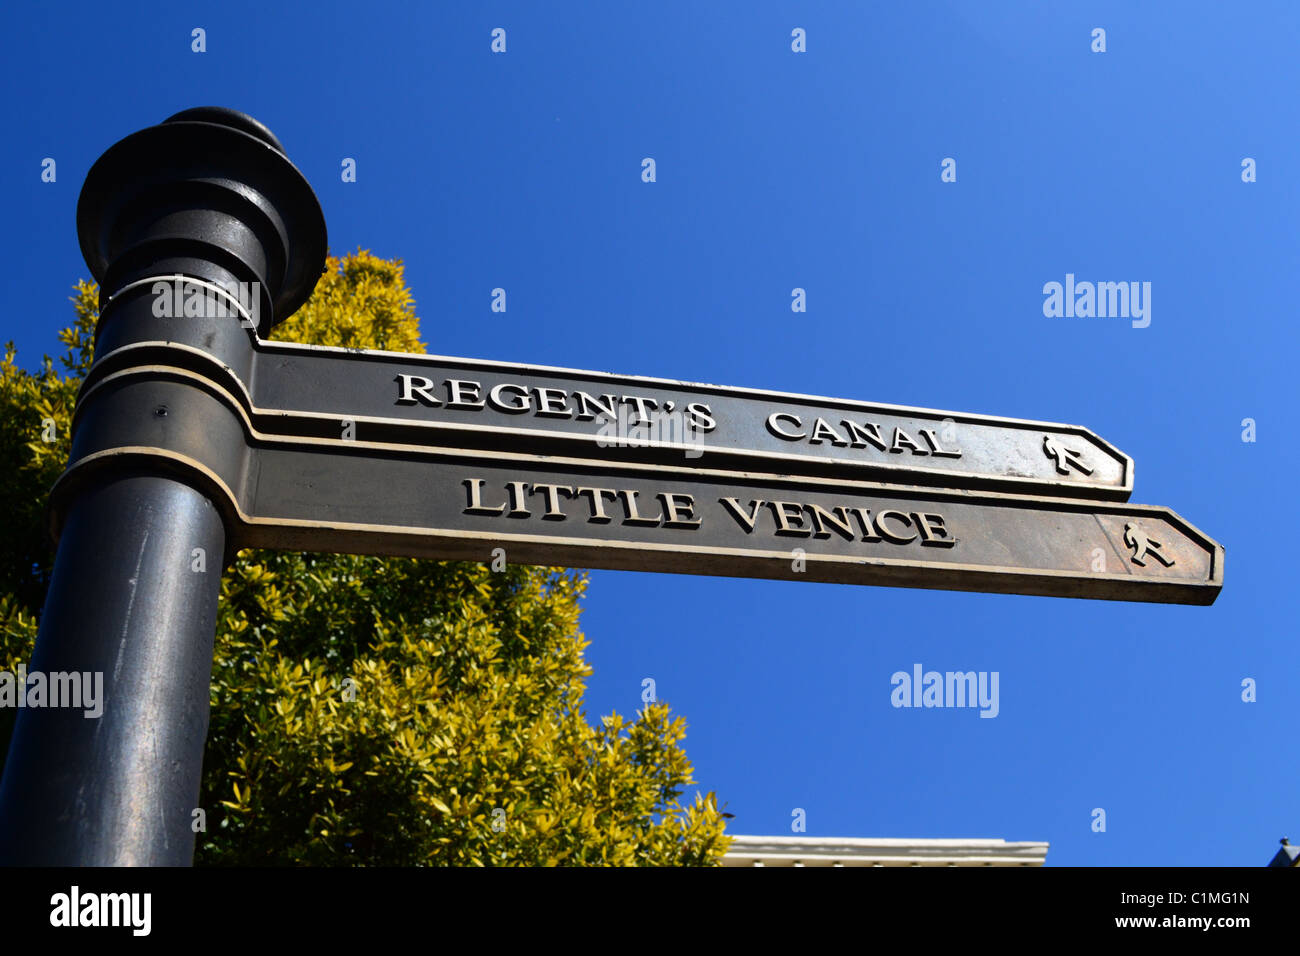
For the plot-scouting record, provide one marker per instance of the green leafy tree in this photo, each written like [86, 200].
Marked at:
[379, 710]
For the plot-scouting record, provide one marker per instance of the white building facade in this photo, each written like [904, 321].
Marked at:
[854, 851]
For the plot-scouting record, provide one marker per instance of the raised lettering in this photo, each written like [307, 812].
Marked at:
[781, 511]
[864, 520]
[517, 491]
[553, 510]
[934, 533]
[679, 514]
[551, 403]
[776, 430]
[643, 407]
[928, 435]
[862, 435]
[633, 516]
[822, 431]
[890, 535]
[903, 440]
[496, 400]
[746, 520]
[597, 496]
[585, 403]
[476, 507]
[415, 388]
[839, 520]
[700, 417]
[457, 397]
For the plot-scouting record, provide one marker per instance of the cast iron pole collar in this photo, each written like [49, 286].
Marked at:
[208, 193]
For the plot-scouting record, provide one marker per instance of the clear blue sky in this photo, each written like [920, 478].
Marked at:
[820, 170]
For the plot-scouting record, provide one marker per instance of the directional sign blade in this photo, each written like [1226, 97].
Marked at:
[432, 401]
[363, 497]
[464, 507]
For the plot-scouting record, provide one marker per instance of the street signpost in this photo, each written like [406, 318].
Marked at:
[195, 436]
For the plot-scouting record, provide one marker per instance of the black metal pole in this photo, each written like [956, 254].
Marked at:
[208, 195]
[124, 603]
